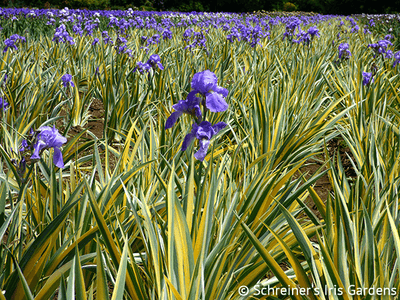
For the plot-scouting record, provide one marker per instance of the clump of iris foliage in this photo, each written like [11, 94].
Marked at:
[191, 184]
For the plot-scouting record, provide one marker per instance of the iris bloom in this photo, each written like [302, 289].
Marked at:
[203, 132]
[344, 51]
[142, 67]
[67, 80]
[367, 78]
[12, 41]
[3, 104]
[205, 83]
[154, 61]
[190, 106]
[396, 59]
[313, 31]
[46, 138]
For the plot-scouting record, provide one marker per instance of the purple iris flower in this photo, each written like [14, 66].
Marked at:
[24, 145]
[154, 61]
[205, 83]
[12, 41]
[344, 51]
[367, 78]
[313, 31]
[3, 104]
[203, 132]
[396, 59]
[190, 106]
[48, 137]
[106, 38]
[67, 80]
[142, 67]
[380, 47]
[388, 37]
[389, 54]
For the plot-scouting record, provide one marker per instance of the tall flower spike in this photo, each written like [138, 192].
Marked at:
[205, 83]
[190, 106]
[48, 137]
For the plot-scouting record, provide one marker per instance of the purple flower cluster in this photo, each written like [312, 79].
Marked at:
[121, 47]
[207, 94]
[380, 48]
[344, 52]
[197, 39]
[153, 62]
[61, 35]
[307, 37]
[12, 42]
[106, 38]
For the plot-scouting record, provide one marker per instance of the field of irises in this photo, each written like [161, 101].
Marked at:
[162, 155]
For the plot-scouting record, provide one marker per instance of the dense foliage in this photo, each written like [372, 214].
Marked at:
[167, 155]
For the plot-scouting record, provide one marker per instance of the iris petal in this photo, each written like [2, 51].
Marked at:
[172, 119]
[187, 140]
[215, 102]
[202, 152]
[58, 158]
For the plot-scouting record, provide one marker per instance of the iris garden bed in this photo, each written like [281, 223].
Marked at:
[181, 156]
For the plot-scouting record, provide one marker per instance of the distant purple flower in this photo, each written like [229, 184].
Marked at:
[4, 79]
[67, 80]
[190, 106]
[384, 43]
[143, 38]
[154, 61]
[167, 34]
[233, 35]
[106, 38]
[77, 29]
[9, 44]
[205, 83]
[388, 37]
[155, 39]
[389, 54]
[46, 138]
[24, 145]
[313, 31]
[142, 67]
[12, 41]
[95, 41]
[203, 132]
[3, 104]
[344, 52]
[367, 78]
[355, 29]
[187, 35]
[366, 30]
[380, 47]
[371, 23]
[61, 35]
[396, 59]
